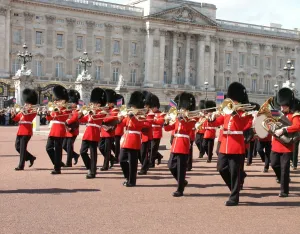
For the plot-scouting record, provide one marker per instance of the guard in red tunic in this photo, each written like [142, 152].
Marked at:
[108, 130]
[72, 124]
[25, 118]
[119, 131]
[232, 147]
[281, 153]
[200, 133]
[210, 132]
[58, 118]
[91, 135]
[181, 143]
[131, 141]
[192, 140]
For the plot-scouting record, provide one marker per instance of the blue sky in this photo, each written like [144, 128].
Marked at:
[262, 12]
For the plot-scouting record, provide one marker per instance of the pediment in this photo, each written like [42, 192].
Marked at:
[185, 14]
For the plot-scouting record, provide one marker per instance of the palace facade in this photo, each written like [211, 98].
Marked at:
[165, 46]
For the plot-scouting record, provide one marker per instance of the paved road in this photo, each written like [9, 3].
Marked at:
[33, 201]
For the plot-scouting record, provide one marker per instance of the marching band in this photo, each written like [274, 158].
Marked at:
[130, 134]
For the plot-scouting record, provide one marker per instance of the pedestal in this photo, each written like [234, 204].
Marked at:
[84, 88]
[22, 80]
[36, 124]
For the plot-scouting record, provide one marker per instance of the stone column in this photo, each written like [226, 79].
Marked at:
[70, 46]
[187, 59]
[49, 55]
[162, 44]
[5, 43]
[235, 60]
[211, 80]
[261, 66]
[126, 52]
[108, 51]
[274, 61]
[221, 62]
[156, 60]
[174, 59]
[149, 58]
[200, 79]
[297, 71]
[248, 65]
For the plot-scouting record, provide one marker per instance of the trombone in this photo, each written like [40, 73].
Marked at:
[123, 111]
[228, 106]
[24, 109]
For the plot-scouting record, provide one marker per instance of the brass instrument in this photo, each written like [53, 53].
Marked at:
[228, 106]
[123, 111]
[24, 109]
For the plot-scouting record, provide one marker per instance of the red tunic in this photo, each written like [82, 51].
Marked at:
[210, 132]
[182, 129]
[147, 130]
[295, 127]
[201, 130]
[119, 131]
[73, 118]
[25, 123]
[220, 134]
[58, 119]
[113, 113]
[157, 125]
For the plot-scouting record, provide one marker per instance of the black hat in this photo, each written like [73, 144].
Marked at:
[257, 106]
[60, 93]
[74, 96]
[210, 104]
[296, 106]
[202, 104]
[119, 96]
[30, 96]
[137, 99]
[111, 96]
[237, 92]
[148, 98]
[98, 95]
[285, 97]
[155, 102]
[186, 101]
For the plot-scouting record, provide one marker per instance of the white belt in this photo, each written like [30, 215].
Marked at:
[133, 132]
[93, 125]
[25, 122]
[233, 132]
[210, 128]
[156, 126]
[181, 135]
[57, 122]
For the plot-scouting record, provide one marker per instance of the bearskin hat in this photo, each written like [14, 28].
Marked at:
[74, 96]
[111, 95]
[118, 97]
[137, 99]
[30, 96]
[257, 106]
[186, 101]
[285, 97]
[98, 95]
[202, 104]
[209, 104]
[237, 92]
[60, 93]
[155, 102]
[296, 106]
[148, 98]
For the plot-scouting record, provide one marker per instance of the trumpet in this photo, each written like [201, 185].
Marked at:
[90, 109]
[24, 109]
[123, 111]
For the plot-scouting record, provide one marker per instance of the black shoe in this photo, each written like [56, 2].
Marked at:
[231, 203]
[295, 168]
[189, 169]
[186, 183]
[142, 173]
[283, 195]
[159, 160]
[32, 161]
[208, 161]
[241, 186]
[19, 169]
[54, 172]
[130, 185]
[62, 164]
[68, 165]
[248, 164]
[177, 194]
[278, 181]
[152, 165]
[90, 176]
[76, 159]
[103, 169]
[265, 170]
[200, 156]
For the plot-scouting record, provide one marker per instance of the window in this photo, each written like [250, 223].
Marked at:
[241, 80]
[133, 76]
[59, 40]
[228, 59]
[115, 74]
[16, 65]
[59, 70]
[98, 44]
[191, 54]
[165, 77]
[38, 37]
[98, 73]
[38, 68]
[79, 43]
[255, 60]
[133, 48]
[116, 47]
[267, 86]
[280, 63]
[268, 62]
[17, 36]
[78, 69]
[166, 52]
[254, 85]
[242, 60]
[227, 82]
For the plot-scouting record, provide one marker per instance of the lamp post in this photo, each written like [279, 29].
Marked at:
[276, 87]
[289, 68]
[85, 61]
[24, 56]
[206, 87]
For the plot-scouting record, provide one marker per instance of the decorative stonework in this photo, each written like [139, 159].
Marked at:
[28, 16]
[116, 63]
[126, 28]
[143, 30]
[90, 24]
[222, 41]
[213, 39]
[156, 43]
[150, 31]
[287, 49]
[249, 45]
[274, 48]
[298, 50]
[201, 37]
[59, 58]
[98, 62]
[134, 64]
[185, 15]
[163, 32]
[207, 48]
[235, 43]
[71, 21]
[50, 19]
[262, 46]
[108, 27]
[3, 11]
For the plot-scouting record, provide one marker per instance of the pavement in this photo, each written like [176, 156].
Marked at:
[33, 201]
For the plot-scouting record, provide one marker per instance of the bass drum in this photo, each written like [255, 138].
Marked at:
[259, 128]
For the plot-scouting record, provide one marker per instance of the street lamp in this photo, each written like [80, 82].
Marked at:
[276, 87]
[24, 56]
[85, 61]
[206, 87]
[289, 68]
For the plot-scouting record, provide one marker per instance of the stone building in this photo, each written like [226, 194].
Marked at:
[165, 46]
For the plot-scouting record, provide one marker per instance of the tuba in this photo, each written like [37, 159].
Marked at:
[269, 120]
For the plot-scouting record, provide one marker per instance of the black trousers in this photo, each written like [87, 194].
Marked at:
[295, 154]
[54, 150]
[21, 147]
[90, 163]
[281, 165]
[264, 151]
[229, 168]
[250, 152]
[68, 146]
[208, 146]
[105, 147]
[243, 174]
[129, 164]
[177, 165]
[144, 156]
[116, 148]
[198, 141]
[190, 158]
[154, 154]
[218, 147]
